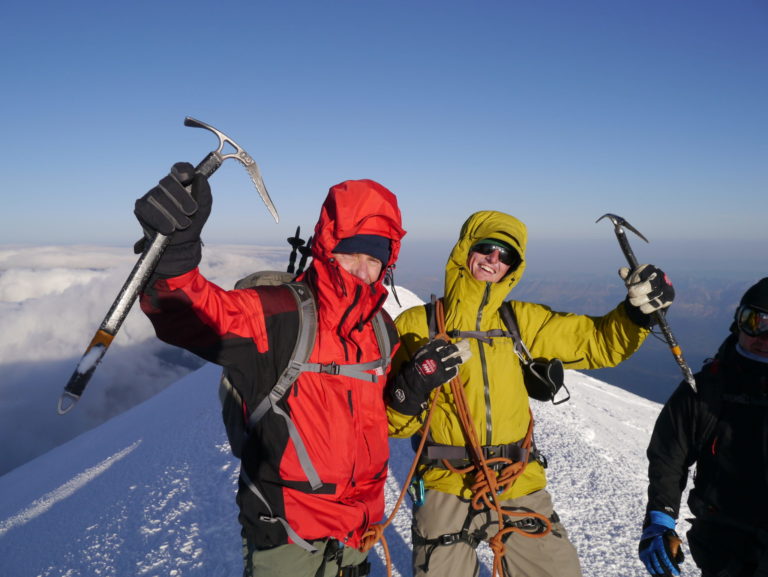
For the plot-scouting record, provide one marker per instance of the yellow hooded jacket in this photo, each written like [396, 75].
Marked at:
[492, 377]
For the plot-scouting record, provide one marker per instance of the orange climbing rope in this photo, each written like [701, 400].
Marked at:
[375, 532]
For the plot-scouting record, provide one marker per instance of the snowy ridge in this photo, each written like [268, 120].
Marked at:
[151, 492]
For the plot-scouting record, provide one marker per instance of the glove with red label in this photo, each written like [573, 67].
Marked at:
[433, 365]
[649, 290]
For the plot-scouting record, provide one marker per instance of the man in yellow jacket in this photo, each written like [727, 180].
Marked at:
[485, 265]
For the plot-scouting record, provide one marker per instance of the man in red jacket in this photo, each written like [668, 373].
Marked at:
[313, 470]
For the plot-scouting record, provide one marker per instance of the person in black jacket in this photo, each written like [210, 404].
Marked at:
[723, 429]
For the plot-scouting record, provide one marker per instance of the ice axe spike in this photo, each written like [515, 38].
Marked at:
[619, 224]
[144, 268]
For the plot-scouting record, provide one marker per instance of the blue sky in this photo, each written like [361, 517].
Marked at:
[556, 112]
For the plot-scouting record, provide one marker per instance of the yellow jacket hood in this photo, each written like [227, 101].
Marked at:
[461, 286]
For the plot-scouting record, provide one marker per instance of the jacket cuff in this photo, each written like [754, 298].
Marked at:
[403, 398]
[659, 518]
[179, 259]
[637, 316]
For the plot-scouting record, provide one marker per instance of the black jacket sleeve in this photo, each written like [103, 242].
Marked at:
[672, 451]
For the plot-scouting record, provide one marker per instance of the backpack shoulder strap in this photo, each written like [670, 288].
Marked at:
[381, 331]
[302, 348]
[305, 342]
[509, 319]
[431, 310]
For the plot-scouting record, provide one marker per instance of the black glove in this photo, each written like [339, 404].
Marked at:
[170, 210]
[433, 365]
[648, 290]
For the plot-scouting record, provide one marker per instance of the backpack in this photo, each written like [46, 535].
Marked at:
[237, 421]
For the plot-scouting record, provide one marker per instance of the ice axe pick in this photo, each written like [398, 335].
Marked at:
[619, 224]
[146, 264]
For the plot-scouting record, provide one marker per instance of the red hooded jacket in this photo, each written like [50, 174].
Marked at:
[341, 420]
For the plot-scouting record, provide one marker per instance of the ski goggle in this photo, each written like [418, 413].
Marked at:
[752, 322]
[507, 255]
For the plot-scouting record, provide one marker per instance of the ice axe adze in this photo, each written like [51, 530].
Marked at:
[145, 266]
[619, 224]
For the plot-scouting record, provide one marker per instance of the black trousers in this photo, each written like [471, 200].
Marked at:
[729, 549]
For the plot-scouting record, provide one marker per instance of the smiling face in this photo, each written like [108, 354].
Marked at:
[486, 267]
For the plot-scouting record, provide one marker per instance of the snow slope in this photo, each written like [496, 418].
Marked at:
[151, 491]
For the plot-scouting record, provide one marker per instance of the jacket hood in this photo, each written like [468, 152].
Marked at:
[351, 208]
[460, 285]
[357, 207]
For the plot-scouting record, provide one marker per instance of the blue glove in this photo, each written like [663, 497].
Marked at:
[660, 549]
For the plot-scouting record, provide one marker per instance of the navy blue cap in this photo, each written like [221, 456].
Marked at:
[370, 244]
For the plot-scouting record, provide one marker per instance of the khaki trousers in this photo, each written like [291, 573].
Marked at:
[293, 561]
[443, 514]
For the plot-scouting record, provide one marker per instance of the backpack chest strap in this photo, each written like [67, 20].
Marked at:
[484, 336]
[359, 371]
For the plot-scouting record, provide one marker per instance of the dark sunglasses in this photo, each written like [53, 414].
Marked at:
[751, 321]
[507, 256]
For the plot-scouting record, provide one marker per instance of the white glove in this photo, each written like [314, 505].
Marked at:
[648, 288]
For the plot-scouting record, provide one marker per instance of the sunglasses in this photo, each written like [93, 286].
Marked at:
[507, 256]
[751, 321]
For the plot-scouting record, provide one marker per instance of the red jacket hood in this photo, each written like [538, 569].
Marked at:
[352, 207]
[357, 207]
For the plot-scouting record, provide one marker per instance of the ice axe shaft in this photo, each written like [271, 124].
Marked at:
[619, 226]
[144, 268]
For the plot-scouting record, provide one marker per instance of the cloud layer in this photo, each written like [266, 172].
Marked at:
[52, 301]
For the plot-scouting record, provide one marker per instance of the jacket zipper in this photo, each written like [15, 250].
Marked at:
[353, 416]
[484, 366]
[355, 300]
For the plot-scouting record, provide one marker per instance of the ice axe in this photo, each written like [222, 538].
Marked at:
[619, 224]
[145, 266]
